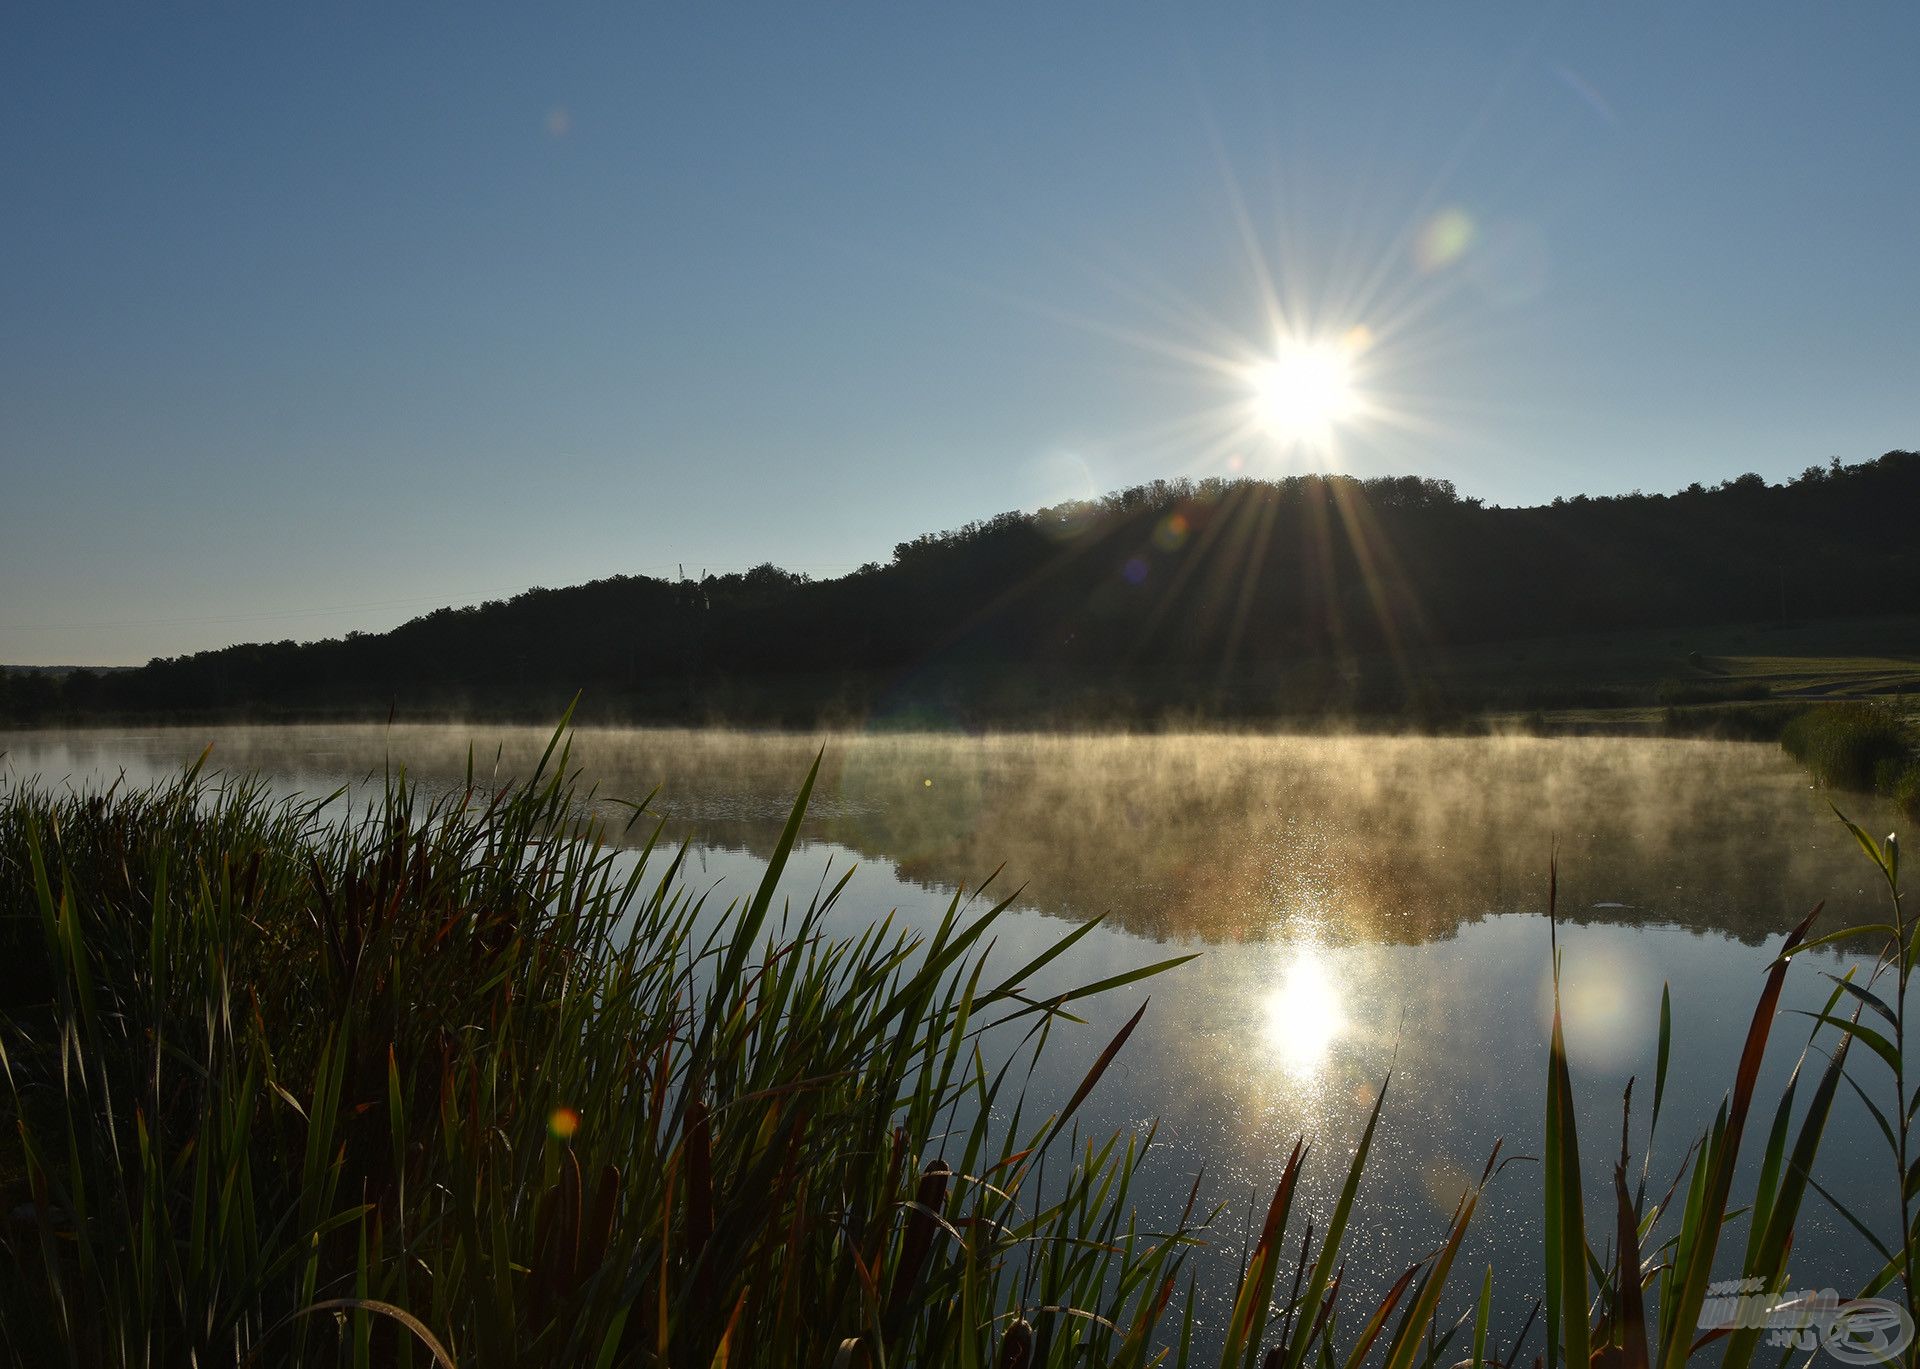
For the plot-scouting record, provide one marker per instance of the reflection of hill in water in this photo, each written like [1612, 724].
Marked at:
[1216, 838]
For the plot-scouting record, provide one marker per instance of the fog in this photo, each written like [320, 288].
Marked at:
[1188, 837]
[1360, 905]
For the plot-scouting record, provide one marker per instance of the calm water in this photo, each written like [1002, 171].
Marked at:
[1358, 904]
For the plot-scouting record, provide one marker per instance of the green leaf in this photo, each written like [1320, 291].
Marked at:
[1296, 1351]
[1867, 997]
[1866, 1035]
[1480, 1320]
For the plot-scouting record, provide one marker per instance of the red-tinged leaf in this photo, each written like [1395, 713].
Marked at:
[1093, 1075]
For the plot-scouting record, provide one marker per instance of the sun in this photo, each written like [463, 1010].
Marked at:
[1305, 391]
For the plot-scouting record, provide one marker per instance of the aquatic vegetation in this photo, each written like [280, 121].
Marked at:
[1859, 746]
[459, 1082]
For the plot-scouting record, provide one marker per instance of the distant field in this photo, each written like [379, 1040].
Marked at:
[1653, 673]
[1870, 655]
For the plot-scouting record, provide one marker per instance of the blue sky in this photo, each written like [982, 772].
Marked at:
[315, 317]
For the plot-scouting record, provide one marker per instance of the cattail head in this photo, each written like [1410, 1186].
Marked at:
[1016, 1347]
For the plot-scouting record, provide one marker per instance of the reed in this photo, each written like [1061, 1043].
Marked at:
[454, 1082]
[457, 1082]
[1858, 746]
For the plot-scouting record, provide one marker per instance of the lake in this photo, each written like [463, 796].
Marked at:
[1357, 904]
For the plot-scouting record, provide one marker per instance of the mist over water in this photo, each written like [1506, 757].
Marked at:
[1358, 904]
[1206, 837]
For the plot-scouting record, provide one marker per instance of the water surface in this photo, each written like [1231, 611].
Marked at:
[1358, 904]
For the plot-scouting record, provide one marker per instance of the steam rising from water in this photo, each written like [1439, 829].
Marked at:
[1363, 903]
[1203, 837]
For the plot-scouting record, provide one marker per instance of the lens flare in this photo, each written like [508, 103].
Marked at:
[562, 1123]
[1445, 239]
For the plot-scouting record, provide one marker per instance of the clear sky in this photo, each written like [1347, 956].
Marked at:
[316, 316]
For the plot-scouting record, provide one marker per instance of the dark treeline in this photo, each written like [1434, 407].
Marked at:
[1249, 598]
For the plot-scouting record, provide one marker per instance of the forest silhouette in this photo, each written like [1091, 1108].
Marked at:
[1306, 596]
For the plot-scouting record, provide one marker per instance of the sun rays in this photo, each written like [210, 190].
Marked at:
[1314, 341]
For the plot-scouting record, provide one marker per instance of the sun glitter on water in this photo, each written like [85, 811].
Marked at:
[1304, 1015]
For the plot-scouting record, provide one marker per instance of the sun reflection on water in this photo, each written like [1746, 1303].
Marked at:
[1305, 1014]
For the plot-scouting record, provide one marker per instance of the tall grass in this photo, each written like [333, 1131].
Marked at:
[1859, 746]
[454, 1083]
[447, 1083]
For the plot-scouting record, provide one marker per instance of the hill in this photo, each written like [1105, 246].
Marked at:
[1302, 597]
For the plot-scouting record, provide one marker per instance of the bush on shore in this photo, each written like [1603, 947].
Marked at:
[1859, 746]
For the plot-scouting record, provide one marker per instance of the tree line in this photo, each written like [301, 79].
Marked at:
[1213, 597]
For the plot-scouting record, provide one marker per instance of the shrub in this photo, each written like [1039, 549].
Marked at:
[1844, 745]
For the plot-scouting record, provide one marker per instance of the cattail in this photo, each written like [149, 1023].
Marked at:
[917, 1243]
[1016, 1347]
